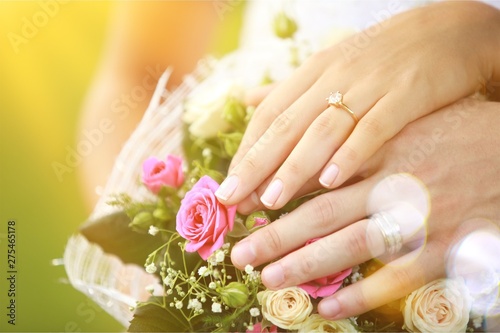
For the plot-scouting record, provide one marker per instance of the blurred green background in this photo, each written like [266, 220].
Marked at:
[42, 87]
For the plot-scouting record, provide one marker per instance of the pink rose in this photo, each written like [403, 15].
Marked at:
[203, 220]
[158, 173]
[257, 328]
[327, 285]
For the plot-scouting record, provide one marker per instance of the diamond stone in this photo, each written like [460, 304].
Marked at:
[335, 98]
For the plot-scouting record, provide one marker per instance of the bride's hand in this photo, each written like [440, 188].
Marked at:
[390, 74]
[453, 155]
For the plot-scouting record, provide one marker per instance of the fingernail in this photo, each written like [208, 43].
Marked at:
[329, 174]
[227, 188]
[273, 276]
[272, 193]
[243, 253]
[329, 308]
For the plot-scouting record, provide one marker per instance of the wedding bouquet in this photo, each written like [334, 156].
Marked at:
[183, 237]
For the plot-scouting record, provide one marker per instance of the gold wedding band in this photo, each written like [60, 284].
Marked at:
[335, 99]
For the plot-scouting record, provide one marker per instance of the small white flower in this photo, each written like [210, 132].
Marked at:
[207, 152]
[254, 312]
[227, 245]
[216, 307]
[168, 281]
[153, 230]
[355, 277]
[212, 285]
[194, 304]
[477, 322]
[178, 305]
[219, 256]
[249, 269]
[151, 268]
[202, 271]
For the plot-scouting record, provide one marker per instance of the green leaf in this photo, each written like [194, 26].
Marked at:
[112, 233]
[153, 318]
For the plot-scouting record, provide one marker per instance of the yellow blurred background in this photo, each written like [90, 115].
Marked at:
[45, 74]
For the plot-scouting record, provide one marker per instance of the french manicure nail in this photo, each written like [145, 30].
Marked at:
[329, 174]
[329, 308]
[273, 275]
[227, 188]
[272, 193]
[243, 254]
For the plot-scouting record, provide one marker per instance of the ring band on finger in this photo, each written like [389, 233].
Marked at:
[336, 100]
[390, 230]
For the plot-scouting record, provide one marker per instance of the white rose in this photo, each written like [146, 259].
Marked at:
[316, 323]
[203, 110]
[440, 306]
[286, 308]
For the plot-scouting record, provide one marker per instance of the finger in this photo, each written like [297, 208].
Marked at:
[255, 96]
[380, 124]
[352, 245]
[388, 284]
[284, 94]
[252, 202]
[315, 218]
[311, 153]
[271, 149]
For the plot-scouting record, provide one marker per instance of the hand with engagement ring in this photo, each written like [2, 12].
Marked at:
[420, 61]
[421, 212]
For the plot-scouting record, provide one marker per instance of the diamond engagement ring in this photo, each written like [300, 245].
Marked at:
[335, 99]
[391, 231]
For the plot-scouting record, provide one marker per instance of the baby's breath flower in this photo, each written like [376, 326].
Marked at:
[227, 245]
[212, 285]
[194, 304]
[168, 281]
[249, 269]
[254, 312]
[178, 305]
[216, 273]
[216, 307]
[477, 322]
[355, 277]
[153, 230]
[202, 271]
[151, 268]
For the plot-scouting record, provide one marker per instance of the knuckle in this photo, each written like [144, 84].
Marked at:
[401, 279]
[306, 265]
[325, 211]
[282, 123]
[348, 153]
[272, 240]
[250, 160]
[323, 126]
[355, 242]
[371, 126]
[359, 301]
[291, 167]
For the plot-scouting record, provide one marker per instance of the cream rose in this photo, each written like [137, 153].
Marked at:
[203, 111]
[286, 308]
[316, 323]
[440, 306]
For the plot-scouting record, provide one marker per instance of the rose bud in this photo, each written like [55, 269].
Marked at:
[235, 294]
